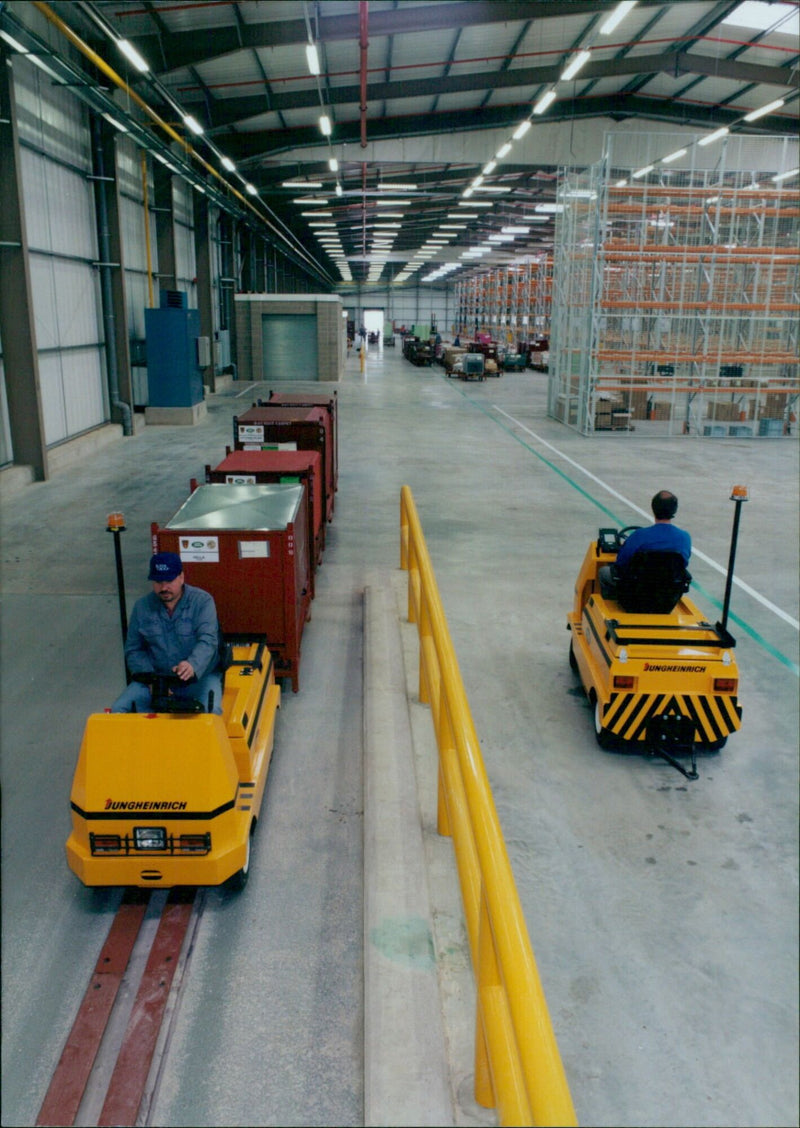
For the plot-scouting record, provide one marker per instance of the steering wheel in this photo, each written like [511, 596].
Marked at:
[162, 692]
[623, 534]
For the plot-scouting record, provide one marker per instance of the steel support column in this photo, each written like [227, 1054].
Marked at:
[203, 265]
[20, 358]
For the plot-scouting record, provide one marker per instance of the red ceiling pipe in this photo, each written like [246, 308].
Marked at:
[363, 42]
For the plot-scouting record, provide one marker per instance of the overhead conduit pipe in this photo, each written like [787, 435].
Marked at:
[157, 120]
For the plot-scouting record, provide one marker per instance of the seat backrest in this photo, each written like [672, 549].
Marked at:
[653, 582]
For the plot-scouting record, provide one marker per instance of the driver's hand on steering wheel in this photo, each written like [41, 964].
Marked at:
[184, 670]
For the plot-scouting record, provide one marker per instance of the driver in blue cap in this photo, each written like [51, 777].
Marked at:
[173, 630]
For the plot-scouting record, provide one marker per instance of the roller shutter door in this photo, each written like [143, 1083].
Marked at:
[289, 342]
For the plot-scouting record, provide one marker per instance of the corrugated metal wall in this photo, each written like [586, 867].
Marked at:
[59, 201]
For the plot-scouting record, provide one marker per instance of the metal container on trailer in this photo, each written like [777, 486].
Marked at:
[296, 427]
[247, 546]
[256, 467]
[327, 400]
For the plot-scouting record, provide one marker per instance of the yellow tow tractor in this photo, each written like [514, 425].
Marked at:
[663, 680]
[172, 796]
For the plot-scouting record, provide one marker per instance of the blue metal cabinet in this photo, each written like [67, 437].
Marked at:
[174, 378]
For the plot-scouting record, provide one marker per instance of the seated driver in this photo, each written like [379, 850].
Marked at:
[173, 630]
[661, 536]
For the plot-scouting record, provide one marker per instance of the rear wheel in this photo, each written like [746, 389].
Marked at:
[606, 739]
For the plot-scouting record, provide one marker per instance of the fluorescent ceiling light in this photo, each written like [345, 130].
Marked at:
[521, 129]
[785, 175]
[715, 136]
[575, 64]
[390, 215]
[554, 209]
[617, 16]
[117, 124]
[674, 156]
[325, 125]
[13, 43]
[475, 204]
[318, 214]
[320, 223]
[312, 55]
[622, 183]
[333, 164]
[130, 53]
[317, 201]
[338, 189]
[496, 188]
[770, 106]
[642, 172]
[501, 238]
[193, 124]
[387, 226]
[514, 230]
[300, 183]
[462, 215]
[227, 163]
[253, 191]
[397, 187]
[490, 167]
[476, 183]
[545, 100]
[468, 192]
[463, 226]
[503, 151]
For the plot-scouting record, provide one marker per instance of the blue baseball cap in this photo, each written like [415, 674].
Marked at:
[165, 566]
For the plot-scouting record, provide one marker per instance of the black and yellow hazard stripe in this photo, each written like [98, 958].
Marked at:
[627, 715]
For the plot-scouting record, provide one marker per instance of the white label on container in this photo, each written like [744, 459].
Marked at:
[251, 432]
[251, 446]
[199, 550]
[240, 479]
[250, 550]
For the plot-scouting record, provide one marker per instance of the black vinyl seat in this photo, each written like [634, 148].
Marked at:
[652, 583]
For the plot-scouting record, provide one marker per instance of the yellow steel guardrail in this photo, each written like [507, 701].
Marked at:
[518, 1067]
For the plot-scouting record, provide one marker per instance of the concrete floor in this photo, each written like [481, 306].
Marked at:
[662, 914]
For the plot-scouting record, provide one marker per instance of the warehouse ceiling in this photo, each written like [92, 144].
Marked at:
[448, 121]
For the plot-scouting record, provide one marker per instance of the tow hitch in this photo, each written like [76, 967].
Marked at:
[671, 735]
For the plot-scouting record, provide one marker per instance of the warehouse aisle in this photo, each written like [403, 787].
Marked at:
[663, 914]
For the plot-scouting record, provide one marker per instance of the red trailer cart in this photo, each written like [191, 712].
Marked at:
[248, 546]
[286, 428]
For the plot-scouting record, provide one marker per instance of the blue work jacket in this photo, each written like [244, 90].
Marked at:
[157, 641]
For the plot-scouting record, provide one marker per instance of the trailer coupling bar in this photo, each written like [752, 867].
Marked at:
[675, 733]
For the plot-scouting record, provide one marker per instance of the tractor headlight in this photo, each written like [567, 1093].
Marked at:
[150, 837]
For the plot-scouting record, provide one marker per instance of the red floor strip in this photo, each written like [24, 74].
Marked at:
[136, 1054]
[60, 1106]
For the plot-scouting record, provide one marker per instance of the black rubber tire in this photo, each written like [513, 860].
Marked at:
[607, 740]
[238, 881]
